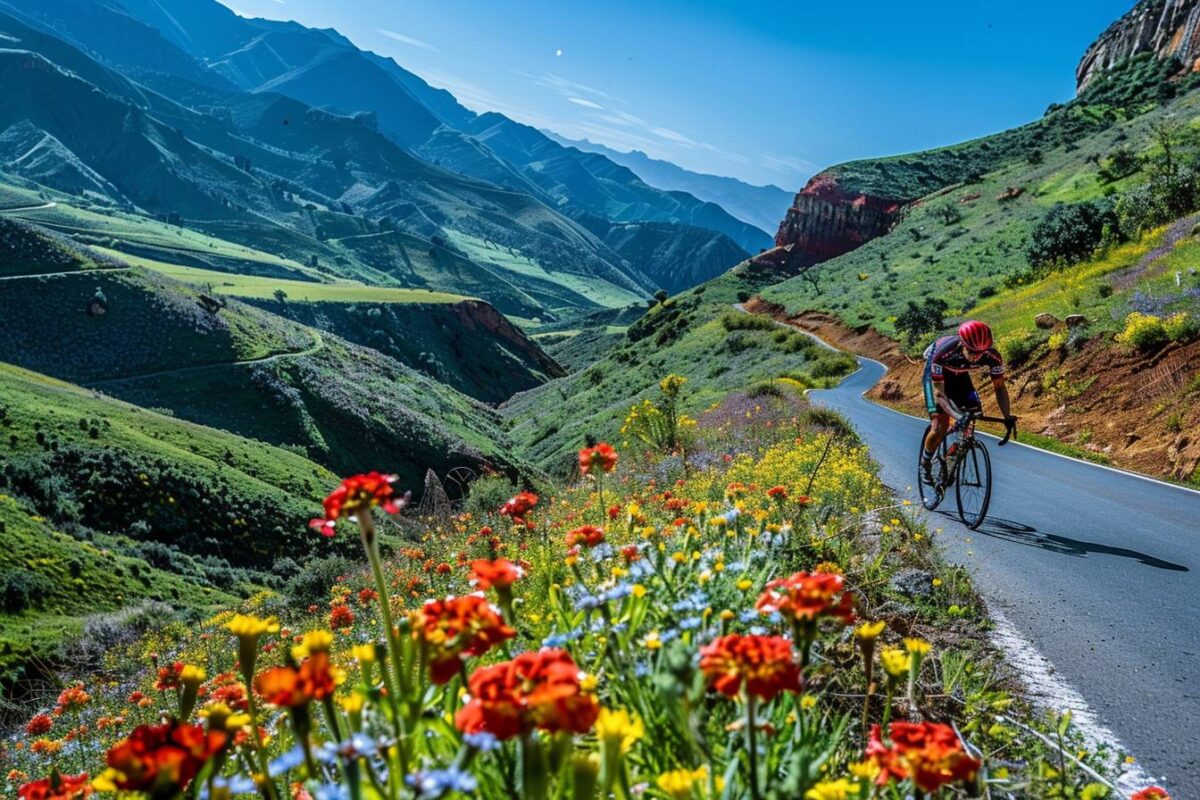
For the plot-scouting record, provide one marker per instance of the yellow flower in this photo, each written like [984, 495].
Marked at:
[918, 647]
[313, 642]
[678, 557]
[652, 642]
[841, 789]
[678, 783]
[864, 769]
[744, 584]
[588, 682]
[639, 590]
[719, 566]
[869, 631]
[895, 661]
[727, 615]
[894, 521]
[937, 582]
[245, 626]
[619, 729]
[808, 701]
[192, 675]
[364, 653]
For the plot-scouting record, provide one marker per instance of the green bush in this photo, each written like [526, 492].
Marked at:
[747, 322]
[917, 320]
[1179, 327]
[1143, 331]
[1069, 234]
[21, 590]
[1016, 348]
[312, 585]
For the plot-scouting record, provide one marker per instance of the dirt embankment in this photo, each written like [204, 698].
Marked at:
[1138, 411]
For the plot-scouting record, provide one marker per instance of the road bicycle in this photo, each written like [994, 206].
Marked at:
[962, 461]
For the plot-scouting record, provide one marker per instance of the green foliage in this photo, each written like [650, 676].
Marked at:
[1017, 347]
[311, 586]
[748, 322]
[918, 320]
[1143, 331]
[1069, 234]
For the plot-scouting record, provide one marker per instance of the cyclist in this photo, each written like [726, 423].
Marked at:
[949, 391]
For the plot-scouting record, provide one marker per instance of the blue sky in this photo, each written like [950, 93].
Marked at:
[766, 92]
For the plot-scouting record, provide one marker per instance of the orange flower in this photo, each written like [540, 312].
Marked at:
[518, 507]
[1152, 793]
[928, 753]
[340, 616]
[292, 687]
[40, 724]
[764, 664]
[588, 535]
[161, 760]
[500, 573]
[602, 456]
[57, 787]
[72, 697]
[356, 494]
[169, 677]
[778, 493]
[805, 597]
[534, 690]
[457, 627]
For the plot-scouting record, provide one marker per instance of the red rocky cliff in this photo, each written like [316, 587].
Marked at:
[1168, 28]
[826, 221]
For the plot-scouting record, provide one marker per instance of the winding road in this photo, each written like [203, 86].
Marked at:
[1099, 569]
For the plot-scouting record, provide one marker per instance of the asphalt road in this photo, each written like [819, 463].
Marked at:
[1097, 568]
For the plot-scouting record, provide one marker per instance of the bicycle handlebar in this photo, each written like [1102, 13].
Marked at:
[1010, 424]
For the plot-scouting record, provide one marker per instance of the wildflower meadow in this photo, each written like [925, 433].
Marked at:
[706, 612]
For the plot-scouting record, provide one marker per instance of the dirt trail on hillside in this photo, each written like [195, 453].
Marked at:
[1134, 410]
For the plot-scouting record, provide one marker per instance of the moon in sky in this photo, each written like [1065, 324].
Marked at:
[558, 52]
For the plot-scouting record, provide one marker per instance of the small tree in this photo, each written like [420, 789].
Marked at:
[918, 320]
[1069, 234]
[661, 296]
[280, 296]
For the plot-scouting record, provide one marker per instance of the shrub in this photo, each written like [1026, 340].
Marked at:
[1017, 347]
[747, 322]
[1179, 327]
[488, 493]
[1143, 331]
[1069, 234]
[1057, 341]
[21, 590]
[312, 585]
[918, 320]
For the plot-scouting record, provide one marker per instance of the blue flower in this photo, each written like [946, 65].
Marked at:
[641, 669]
[483, 741]
[331, 791]
[288, 761]
[434, 783]
[750, 615]
[690, 623]
[601, 551]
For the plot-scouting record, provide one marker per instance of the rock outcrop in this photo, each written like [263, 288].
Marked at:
[1167, 28]
[826, 221]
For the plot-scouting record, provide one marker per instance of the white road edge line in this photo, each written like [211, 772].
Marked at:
[1049, 691]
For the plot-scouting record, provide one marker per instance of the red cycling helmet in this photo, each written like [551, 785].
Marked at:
[975, 335]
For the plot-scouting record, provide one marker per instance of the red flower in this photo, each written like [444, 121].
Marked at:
[778, 493]
[602, 456]
[168, 677]
[928, 753]
[1152, 793]
[232, 695]
[72, 696]
[588, 535]
[292, 687]
[161, 760]
[340, 616]
[40, 724]
[57, 787]
[631, 553]
[356, 494]
[500, 573]
[367, 596]
[614, 512]
[805, 597]
[804, 500]
[460, 626]
[517, 507]
[534, 690]
[764, 664]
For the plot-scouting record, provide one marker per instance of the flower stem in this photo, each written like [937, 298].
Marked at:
[752, 745]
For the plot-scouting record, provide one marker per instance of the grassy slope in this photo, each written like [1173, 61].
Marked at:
[40, 417]
[926, 256]
[685, 336]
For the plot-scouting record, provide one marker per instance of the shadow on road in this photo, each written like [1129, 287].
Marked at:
[1021, 533]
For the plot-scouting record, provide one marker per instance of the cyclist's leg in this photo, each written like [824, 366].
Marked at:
[939, 421]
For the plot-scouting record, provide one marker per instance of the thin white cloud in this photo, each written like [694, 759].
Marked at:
[579, 101]
[673, 136]
[564, 86]
[400, 37]
[788, 165]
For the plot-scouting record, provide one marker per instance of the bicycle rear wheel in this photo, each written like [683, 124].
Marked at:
[973, 487]
[931, 496]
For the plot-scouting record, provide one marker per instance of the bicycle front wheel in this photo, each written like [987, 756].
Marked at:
[973, 487]
[931, 496]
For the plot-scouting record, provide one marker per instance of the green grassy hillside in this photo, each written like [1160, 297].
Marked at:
[699, 335]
